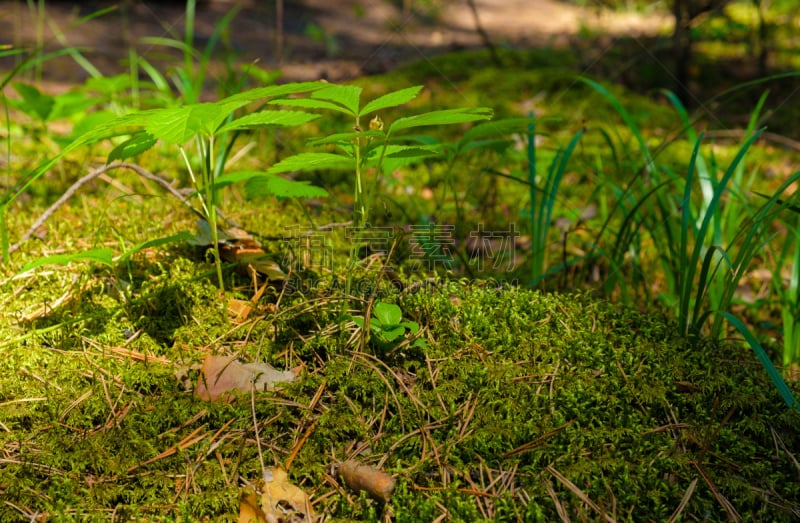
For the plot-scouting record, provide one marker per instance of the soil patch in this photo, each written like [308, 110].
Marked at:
[317, 39]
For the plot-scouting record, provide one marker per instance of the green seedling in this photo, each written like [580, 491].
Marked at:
[212, 128]
[44, 108]
[374, 147]
[387, 327]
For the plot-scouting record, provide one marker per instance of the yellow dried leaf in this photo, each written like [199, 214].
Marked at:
[249, 511]
[280, 494]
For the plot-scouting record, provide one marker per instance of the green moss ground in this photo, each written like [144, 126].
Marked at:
[523, 407]
[515, 391]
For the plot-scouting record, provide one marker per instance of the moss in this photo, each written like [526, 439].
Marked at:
[512, 380]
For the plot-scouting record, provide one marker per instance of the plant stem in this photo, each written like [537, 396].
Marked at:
[4, 241]
[359, 217]
[211, 199]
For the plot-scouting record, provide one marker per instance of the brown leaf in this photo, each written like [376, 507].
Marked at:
[280, 495]
[238, 246]
[360, 477]
[249, 511]
[222, 377]
[239, 310]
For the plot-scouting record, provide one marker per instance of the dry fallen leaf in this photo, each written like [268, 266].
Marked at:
[360, 477]
[239, 246]
[239, 310]
[249, 511]
[280, 496]
[222, 377]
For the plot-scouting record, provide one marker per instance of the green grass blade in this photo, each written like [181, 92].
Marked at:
[103, 256]
[158, 242]
[686, 268]
[763, 358]
[627, 118]
[706, 221]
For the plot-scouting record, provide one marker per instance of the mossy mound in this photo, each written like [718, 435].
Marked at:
[522, 407]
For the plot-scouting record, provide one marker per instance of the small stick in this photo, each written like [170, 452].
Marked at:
[299, 445]
[69, 193]
[255, 429]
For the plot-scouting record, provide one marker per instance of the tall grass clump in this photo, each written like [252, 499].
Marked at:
[704, 240]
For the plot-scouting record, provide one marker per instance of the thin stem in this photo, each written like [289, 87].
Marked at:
[211, 199]
[359, 217]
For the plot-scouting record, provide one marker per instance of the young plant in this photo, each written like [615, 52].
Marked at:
[540, 214]
[37, 105]
[212, 128]
[376, 147]
[387, 327]
[44, 108]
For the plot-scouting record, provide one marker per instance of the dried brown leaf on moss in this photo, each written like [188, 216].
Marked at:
[222, 377]
[249, 511]
[280, 498]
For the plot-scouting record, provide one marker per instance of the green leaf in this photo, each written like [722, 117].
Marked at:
[137, 144]
[237, 176]
[109, 85]
[260, 183]
[35, 103]
[71, 103]
[265, 76]
[443, 117]
[158, 242]
[391, 100]
[269, 185]
[309, 103]
[346, 96]
[92, 121]
[398, 156]
[274, 91]
[388, 313]
[178, 125]
[104, 256]
[411, 326]
[392, 333]
[264, 118]
[406, 151]
[311, 162]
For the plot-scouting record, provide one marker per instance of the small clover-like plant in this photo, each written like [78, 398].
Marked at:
[387, 327]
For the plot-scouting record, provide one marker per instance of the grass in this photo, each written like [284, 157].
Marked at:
[619, 397]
